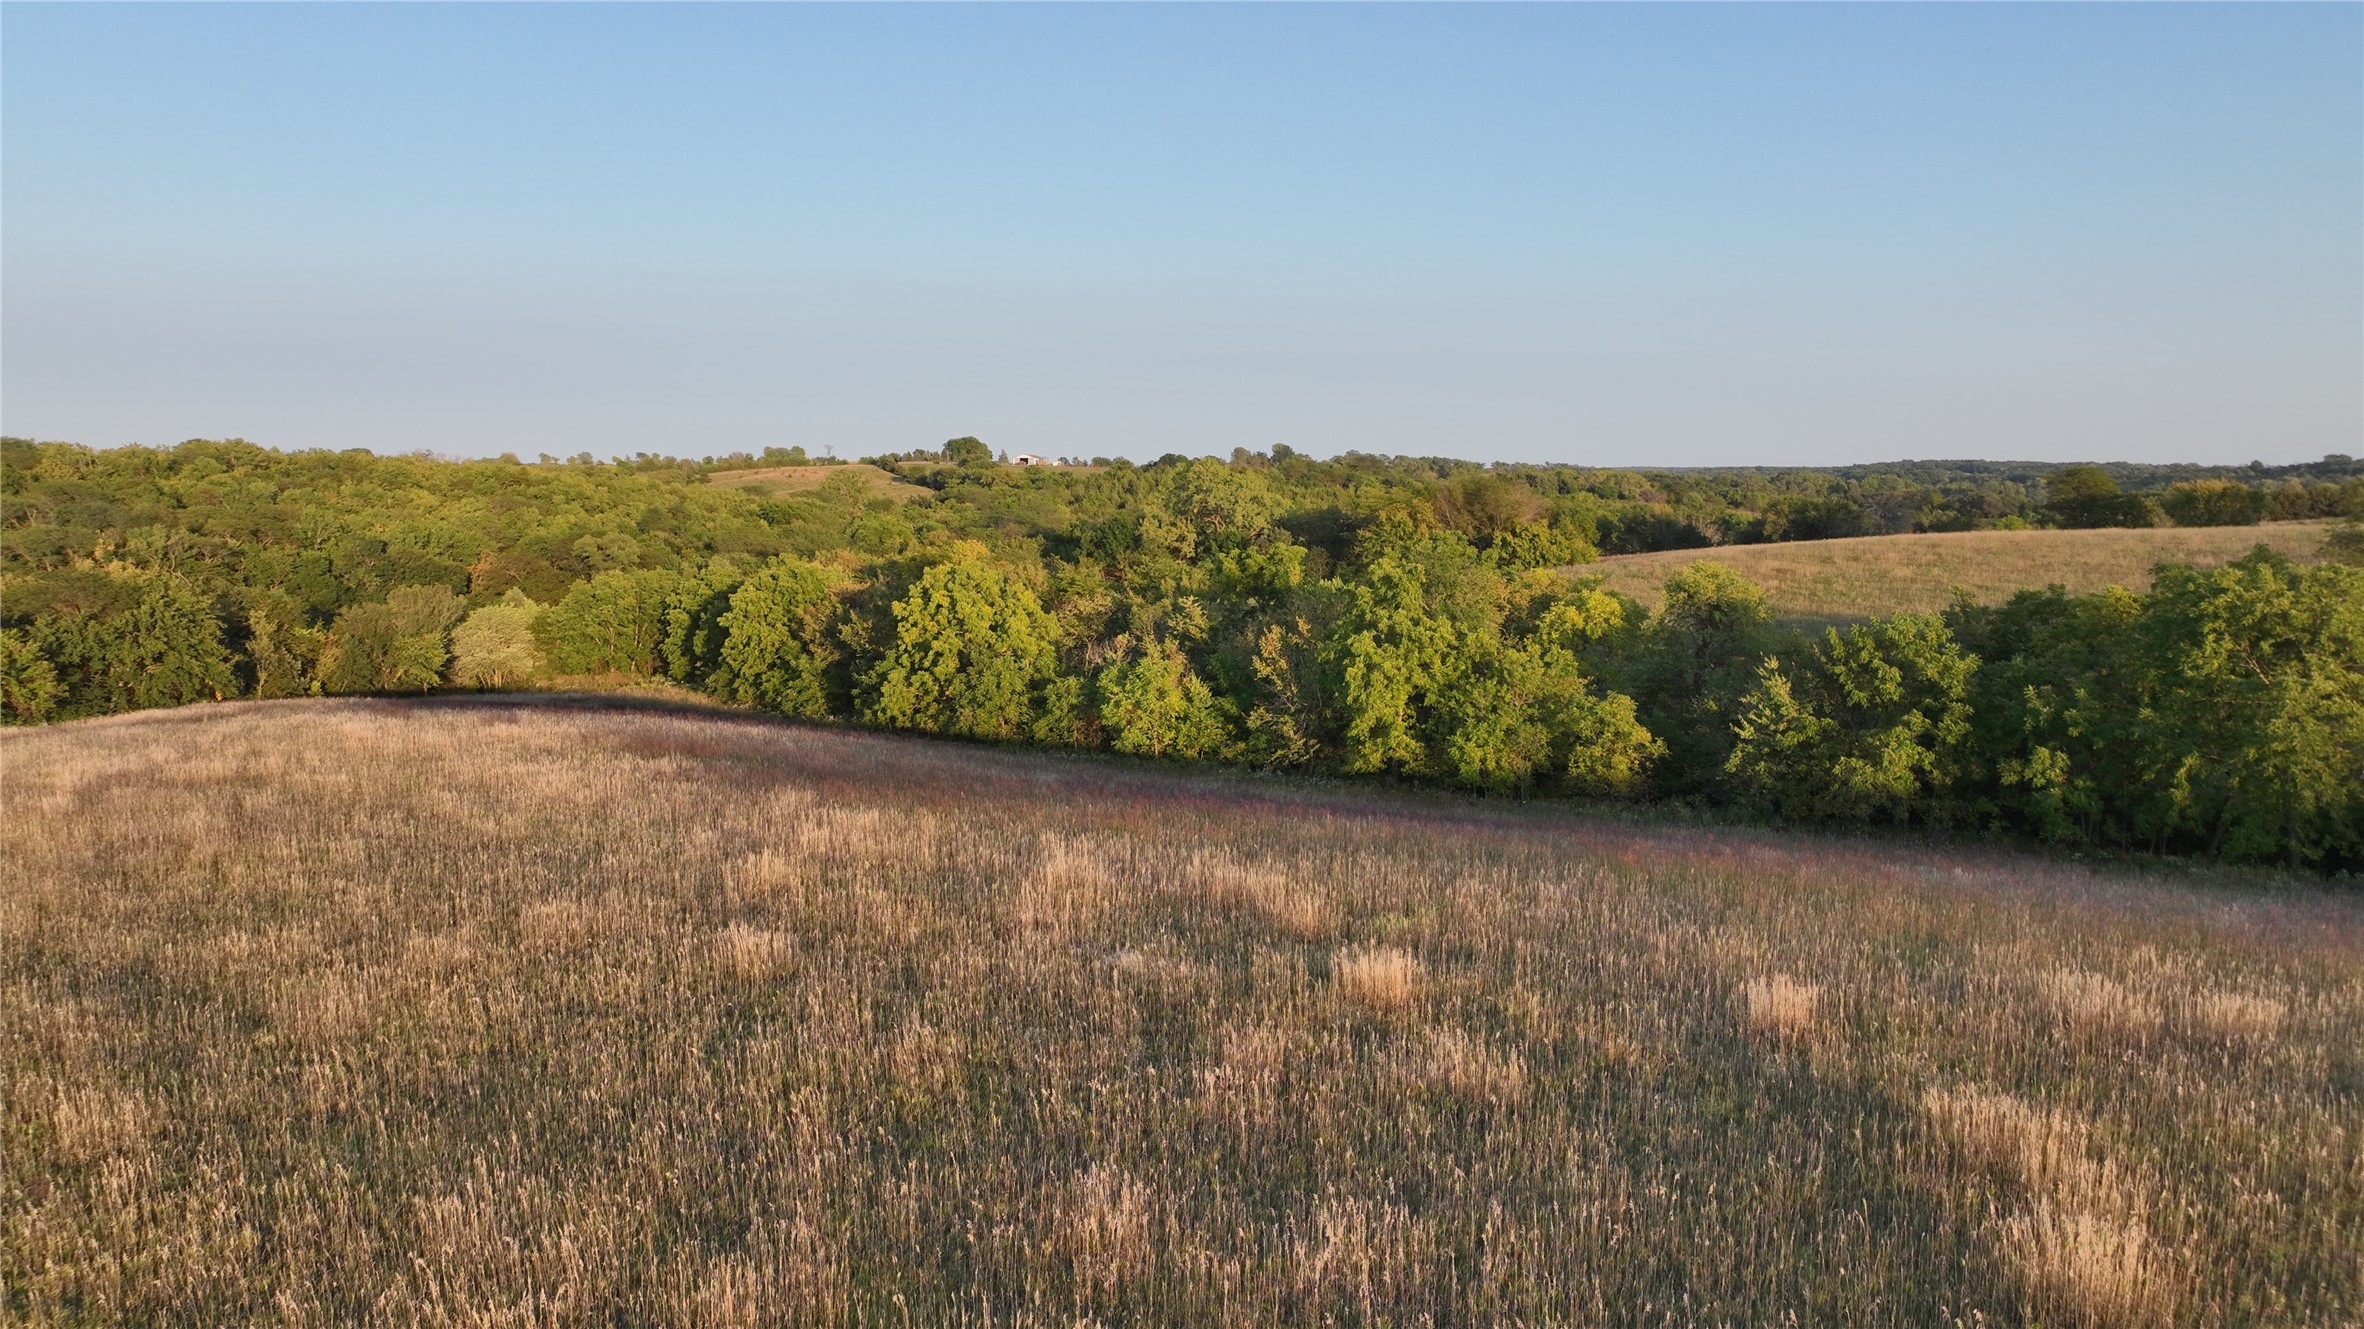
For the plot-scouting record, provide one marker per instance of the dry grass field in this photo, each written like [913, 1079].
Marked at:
[491, 1013]
[799, 479]
[1815, 582]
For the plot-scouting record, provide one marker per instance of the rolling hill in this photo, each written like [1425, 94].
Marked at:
[804, 479]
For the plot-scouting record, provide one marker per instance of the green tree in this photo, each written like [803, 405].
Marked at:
[2345, 543]
[2052, 708]
[1691, 666]
[1426, 682]
[2251, 725]
[399, 645]
[1247, 579]
[1711, 615]
[494, 647]
[611, 624]
[971, 647]
[1870, 727]
[1557, 543]
[608, 550]
[1610, 752]
[1490, 712]
[2082, 497]
[778, 643]
[1601, 746]
[967, 451]
[1394, 524]
[1210, 506]
[283, 655]
[1068, 719]
[1588, 623]
[28, 682]
[154, 639]
[1814, 517]
[1154, 705]
[1386, 657]
[881, 534]
[694, 634]
[1483, 505]
[2214, 503]
[1286, 706]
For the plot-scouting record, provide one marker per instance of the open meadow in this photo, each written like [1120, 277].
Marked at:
[485, 1012]
[861, 478]
[1812, 583]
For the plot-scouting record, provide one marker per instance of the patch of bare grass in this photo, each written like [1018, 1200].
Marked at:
[2077, 1239]
[2044, 1150]
[753, 954]
[1384, 979]
[89, 1122]
[2244, 1019]
[798, 479]
[1068, 891]
[1782, 1006]
[2087, 1267]
[1107, 1230]
[2098, 1005]
[1293, 908]
[1358, 1250]
[330, 1005]
[1458, 1063]
[767, 874]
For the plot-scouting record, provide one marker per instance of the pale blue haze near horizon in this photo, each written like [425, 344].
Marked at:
[1673, 235]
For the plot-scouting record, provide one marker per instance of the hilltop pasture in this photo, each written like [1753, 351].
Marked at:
[1818, 583]
[861, 480]
[491, 1012]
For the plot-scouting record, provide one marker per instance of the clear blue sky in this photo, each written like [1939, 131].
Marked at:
[1691, 235]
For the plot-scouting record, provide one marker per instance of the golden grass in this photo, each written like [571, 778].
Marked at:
[1069, 891]
[754, 954]
[1781, 1005]
[89, 1122]
[1107, 1230]
[2240, 1017]
[2088, 1268]
[2099, 1005]
[2077, 1239]
[518, 1014]
[1814, 582]
[1379, 978]
[2044, 1151]
[1458, 1063]
[1292, 908]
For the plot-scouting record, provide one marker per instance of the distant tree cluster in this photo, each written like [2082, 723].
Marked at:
[1425, 621]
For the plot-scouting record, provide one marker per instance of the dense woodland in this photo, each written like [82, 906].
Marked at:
[1415, 618]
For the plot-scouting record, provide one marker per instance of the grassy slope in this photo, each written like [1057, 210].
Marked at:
[798, 479]
[1829, 581]
[344, 1012]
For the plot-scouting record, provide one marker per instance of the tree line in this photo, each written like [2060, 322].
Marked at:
[1345, 617]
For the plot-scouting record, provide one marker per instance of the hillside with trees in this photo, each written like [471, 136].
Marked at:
[1412, 618]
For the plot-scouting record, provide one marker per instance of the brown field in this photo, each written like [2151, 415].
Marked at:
[1814, 582]
[492, 1013]
[799, 479]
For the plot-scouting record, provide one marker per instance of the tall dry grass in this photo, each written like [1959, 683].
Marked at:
[365, 1013]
